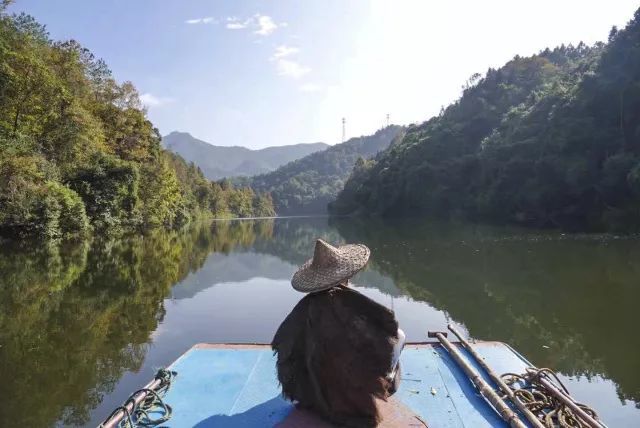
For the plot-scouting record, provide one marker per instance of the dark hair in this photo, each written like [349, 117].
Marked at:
[334, 352]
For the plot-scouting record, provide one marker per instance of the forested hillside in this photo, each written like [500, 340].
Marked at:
[218, 162]
[307, 185]
[77, 151]
[548, 140]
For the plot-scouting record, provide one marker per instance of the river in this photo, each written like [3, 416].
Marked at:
[84, 324]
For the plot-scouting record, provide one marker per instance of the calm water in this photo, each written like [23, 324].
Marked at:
[84, 325]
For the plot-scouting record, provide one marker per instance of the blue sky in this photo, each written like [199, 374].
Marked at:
[263, 73]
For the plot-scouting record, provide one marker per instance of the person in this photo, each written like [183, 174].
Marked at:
[338, 351]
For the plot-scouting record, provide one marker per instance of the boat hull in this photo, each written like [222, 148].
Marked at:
[235, 385]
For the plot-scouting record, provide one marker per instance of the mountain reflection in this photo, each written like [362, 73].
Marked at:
[75, 318]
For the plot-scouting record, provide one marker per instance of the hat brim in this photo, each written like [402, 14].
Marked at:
[351, 259]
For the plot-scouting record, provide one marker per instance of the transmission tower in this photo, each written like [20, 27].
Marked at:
[344, 129]
[387, 120]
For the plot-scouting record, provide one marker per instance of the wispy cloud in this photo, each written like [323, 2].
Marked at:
[150, 100]
[234, 23]
[291, 68]
[284, 51]
[235, 26]
[310, 87]
[262, 25]
[205, 20]
[285, 65]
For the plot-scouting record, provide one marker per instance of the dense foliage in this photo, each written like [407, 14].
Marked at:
[549, 140]
[77, 151]
[307, 185]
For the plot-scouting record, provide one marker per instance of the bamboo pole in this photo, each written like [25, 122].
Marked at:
[115, 419]
[503, 386]
[569, 402]
[485, 389]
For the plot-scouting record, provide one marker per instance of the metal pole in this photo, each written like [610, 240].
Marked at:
[498, 380]
[485, 389]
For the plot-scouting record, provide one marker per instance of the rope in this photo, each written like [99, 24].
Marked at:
[551, 412]
[140, 414]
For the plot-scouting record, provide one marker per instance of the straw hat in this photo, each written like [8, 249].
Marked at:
[329, 266]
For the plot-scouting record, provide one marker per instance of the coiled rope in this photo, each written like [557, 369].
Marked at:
[140, 414]
[534, 394]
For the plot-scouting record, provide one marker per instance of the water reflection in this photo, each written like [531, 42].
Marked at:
[565, 302]
[74, 319]
[83, 325]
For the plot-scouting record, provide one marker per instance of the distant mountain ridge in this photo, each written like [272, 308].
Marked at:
[217, 162]
[307, 185]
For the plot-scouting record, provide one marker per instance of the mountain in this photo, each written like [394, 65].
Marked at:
[552, 140]
[217, 162]
[307, 185]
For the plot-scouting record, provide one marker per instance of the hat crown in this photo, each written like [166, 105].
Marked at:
[324, 255]
[329, 266]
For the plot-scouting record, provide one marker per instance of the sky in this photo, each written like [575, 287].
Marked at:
[261, 73]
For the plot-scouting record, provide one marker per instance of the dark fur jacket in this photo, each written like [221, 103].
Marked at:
[334, 351]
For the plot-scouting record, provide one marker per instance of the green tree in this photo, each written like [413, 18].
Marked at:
[69, 133]
[551, 140]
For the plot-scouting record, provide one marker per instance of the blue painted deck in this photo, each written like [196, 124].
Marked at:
[236, 386]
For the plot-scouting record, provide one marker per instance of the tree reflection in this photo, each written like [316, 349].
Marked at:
[233, 235]
[74, 318]
[293, 239]
[564, 302]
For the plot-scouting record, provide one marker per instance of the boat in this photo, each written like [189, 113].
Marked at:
[235, 385]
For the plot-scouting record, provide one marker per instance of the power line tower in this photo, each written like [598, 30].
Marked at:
[387, 120]
[344, 129]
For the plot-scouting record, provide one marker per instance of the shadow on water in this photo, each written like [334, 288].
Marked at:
[78, 318]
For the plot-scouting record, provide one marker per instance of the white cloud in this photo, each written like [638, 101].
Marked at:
[205, 20]
[266, 25]
[283, 51]
[234, 23]
[235, 26]
[150, 100]
[310, 87]
[290, 68]
[287, 66]
[263, 25]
